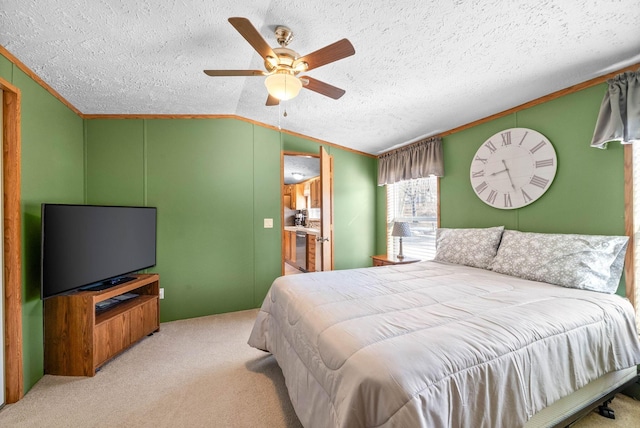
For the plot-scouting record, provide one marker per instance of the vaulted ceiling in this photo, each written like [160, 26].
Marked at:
[421, 67]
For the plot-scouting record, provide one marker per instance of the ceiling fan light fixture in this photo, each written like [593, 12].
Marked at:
[300, 67]
[283, 86]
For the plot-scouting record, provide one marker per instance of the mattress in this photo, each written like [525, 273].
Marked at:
[437, 345]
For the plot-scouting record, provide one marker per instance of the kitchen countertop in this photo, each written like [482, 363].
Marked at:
[308, 230]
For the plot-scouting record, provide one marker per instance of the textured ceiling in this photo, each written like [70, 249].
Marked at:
[421, 66]
[308, 166]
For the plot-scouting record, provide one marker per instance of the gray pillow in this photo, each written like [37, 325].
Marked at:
[589, 262]
[470, 247]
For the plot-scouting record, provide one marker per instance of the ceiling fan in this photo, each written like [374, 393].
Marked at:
[283, 65]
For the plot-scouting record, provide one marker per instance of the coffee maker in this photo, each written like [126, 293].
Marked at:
[300, 218]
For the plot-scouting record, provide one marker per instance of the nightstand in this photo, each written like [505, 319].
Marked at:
[385, 260]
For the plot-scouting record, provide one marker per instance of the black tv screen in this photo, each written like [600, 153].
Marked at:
[84, 245]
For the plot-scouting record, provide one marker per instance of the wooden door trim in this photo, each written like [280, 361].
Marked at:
[14, 377]
[326, 207]
[629, 268]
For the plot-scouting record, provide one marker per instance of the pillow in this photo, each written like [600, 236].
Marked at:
[589, 262]
[470, 247]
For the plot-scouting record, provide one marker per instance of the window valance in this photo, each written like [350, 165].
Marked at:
[417, 160]
[619, 117]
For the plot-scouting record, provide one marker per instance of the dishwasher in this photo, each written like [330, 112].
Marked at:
[301, 251]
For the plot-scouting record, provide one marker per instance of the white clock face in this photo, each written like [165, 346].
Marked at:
[513, 168]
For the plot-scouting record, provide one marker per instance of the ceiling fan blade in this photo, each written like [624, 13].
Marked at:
[272, 101]
[323, 88]
[249, 32]
[235, 73]
[333, 52]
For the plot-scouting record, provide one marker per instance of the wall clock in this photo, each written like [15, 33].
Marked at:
[513, 168]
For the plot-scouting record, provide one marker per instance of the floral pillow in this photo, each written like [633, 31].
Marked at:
[589, 262]
[470, 247]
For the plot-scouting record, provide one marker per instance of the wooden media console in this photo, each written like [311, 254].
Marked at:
[79, 338]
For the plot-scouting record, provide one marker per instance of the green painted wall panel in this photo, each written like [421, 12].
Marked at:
[52, 171]
[354, 200]
[586, 195]
[292, 143]
[6, 69]
[266, 201]
[115, 162]
[200, 176]
[214, 182]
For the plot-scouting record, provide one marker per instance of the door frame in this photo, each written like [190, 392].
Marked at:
[317, 155]
[14, 377]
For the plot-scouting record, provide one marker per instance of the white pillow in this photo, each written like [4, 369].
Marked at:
[589, 262]
[470, 247]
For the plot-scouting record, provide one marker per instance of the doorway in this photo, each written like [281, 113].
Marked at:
[12, 263]
[307, 212]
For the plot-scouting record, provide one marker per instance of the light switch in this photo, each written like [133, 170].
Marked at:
[268, 223]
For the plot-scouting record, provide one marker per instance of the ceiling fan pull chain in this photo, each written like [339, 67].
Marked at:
[279, 111]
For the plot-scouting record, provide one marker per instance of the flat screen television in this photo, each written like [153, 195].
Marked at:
[94, 247]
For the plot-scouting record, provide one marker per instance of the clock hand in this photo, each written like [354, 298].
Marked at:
[498, 172]
[509, 174]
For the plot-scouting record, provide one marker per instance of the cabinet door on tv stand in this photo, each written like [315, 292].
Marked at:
[111, 337]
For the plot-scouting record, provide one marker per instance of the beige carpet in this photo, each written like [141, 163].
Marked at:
[193, 373]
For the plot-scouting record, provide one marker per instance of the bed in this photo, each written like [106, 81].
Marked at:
[442, 344]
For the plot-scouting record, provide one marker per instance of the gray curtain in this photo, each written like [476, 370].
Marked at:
[619, 118]
[417, 160]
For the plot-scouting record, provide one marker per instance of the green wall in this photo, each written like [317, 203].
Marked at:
[52, 171]
[587, 194]
[214, 181]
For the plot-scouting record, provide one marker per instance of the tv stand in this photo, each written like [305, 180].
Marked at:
[79, 339]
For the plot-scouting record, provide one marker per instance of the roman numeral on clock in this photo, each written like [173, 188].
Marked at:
[492, 197]
[478, 158]
[507, 200]
[489, 145]
[526, 197]
[543, 163]
[537, 147]
[539, 181]
[481, 187]
[506, 138]
[476, 174]
[523, 137]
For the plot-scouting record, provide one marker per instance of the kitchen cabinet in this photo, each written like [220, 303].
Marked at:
[287, 245]
[290, 190]
[299, 198]
[311, 252]
[314, 193]
[290, 246]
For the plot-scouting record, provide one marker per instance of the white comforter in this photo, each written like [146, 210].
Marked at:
[437, 345]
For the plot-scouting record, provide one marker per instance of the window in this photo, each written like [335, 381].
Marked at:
[416, 202]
